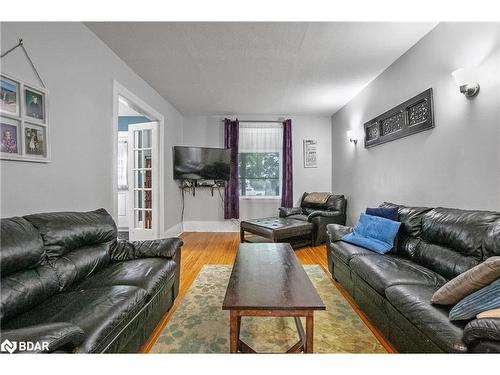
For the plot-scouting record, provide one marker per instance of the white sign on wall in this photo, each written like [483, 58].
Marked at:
[310, 153]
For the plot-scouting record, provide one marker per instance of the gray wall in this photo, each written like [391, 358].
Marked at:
[456, 164]
[205, 212]
[78, 69]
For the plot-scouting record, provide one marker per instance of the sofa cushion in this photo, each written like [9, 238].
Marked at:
[383, 271]
[347, 251]
[374, 233]
[443, 260]
[80, 263]
[21, 246]
[99, 312]
[491, 244]
[21, 291]
[148, 273]
[468, 282]
[413, 301]
[411, 217]
[484, 299]
[66, 231]
[390, 213]
[460, 230]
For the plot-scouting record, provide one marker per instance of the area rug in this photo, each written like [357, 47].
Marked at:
[199, 325]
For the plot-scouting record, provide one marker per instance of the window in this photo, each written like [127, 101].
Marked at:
[259, 162]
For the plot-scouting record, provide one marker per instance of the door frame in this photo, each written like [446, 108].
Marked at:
[154, 115]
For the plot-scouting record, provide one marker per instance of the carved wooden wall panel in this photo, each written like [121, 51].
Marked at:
[413, 116]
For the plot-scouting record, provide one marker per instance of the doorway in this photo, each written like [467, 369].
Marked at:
[138, 187]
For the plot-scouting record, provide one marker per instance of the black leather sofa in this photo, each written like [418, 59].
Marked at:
[395, 289]
[320, 215]
[67, 281]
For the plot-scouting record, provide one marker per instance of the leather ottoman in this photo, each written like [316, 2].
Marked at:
[277, 229]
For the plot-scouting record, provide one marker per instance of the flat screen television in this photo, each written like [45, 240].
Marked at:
[201, 163]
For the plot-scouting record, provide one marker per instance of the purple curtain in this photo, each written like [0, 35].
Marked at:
[287, 183]
[231, 187]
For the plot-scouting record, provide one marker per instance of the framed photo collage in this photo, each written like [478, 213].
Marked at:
[24, 134]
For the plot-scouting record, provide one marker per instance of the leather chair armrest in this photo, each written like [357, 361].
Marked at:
[49, 337]
[487, 329]
[337, 231]
[287, 211]
[314, 214]
[164, 248]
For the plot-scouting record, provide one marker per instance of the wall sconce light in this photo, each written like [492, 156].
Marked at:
[350, 136]
[465, 79]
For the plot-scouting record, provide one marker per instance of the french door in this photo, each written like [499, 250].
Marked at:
[143, 181]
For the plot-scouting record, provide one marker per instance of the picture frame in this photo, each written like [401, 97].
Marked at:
[34, 104]
[310, 153]
[35, 140]
[9, 96]
[10, 136]
[24, 132]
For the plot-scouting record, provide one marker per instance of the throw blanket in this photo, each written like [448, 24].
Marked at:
[317, 198]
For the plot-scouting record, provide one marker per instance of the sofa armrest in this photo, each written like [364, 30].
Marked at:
[487, 329]
[287, 211]
[337, 231]
[50, 337]
[164, 248]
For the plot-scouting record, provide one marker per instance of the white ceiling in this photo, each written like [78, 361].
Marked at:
[259, 68]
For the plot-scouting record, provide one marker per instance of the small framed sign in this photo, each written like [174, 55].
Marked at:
[310, 153]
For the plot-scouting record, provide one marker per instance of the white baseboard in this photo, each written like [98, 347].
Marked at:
[173, 231]
[211, 226]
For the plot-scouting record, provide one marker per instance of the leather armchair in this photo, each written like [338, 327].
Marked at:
[320, 215]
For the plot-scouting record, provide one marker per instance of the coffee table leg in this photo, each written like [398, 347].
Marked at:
[233, 331]
[309, 333]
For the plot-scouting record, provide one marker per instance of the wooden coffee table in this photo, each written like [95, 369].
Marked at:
[267, 280]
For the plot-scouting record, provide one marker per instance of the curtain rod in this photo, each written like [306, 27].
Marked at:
[268, 121]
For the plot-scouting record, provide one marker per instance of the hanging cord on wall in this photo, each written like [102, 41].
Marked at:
[182, 210]
[20, 44]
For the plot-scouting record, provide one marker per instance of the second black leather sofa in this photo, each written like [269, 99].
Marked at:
[394, 290]
[67, 280]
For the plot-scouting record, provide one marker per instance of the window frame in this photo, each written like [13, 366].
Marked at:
[280, 157]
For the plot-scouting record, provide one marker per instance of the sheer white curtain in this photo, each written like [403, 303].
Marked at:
[256, 137]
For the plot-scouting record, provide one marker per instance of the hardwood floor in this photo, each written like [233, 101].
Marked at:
[220, 248]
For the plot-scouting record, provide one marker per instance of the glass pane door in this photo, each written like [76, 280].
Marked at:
[143, 199]
[143, 179]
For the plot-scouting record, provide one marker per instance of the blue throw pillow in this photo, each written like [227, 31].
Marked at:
[389, 213]
[374, 233]
[487, 298]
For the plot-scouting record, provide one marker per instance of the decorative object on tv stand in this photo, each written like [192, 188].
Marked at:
[351, 137]
[412, 116]
[310, 153]
[465, 79]
[24, 125]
